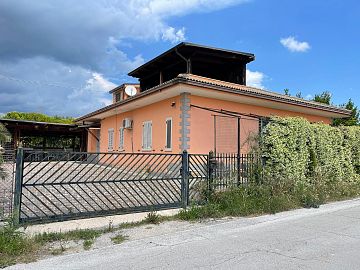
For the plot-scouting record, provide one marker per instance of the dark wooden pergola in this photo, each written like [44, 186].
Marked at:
[46, 136]
[210, 62]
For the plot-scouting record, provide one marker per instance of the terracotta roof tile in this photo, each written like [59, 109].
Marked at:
[243, 89]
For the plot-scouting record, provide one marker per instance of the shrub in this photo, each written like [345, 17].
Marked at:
[295, 151]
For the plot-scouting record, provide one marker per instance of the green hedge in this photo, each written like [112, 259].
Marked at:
[297, 152]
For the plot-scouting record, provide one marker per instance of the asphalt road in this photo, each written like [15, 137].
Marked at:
[324, 238]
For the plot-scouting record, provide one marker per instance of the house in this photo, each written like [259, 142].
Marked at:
[180, 94]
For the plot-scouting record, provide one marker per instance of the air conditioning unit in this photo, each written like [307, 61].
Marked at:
[127, 123]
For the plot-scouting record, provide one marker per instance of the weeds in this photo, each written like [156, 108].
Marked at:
[262, 199]
[68, 236]
[15, 246]
[88, 244]
[118, 239]
[153, 218]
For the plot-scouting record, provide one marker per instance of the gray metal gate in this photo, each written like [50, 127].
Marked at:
[66, 185]
[54, 186]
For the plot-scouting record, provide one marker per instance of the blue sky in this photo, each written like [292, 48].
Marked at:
[62, 58]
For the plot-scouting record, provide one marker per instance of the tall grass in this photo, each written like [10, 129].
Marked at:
[262, 199]
[15, 246]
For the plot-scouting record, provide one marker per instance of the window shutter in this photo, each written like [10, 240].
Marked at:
[110, 139]
[147, 135]
[168, 133]
[121, 138]
[144, 136]
[150, 135]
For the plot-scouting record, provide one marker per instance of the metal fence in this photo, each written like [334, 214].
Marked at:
[69, 185]
[7, 171]
[198, 177]
[231, 170]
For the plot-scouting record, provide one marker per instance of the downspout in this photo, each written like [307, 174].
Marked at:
[188, 61]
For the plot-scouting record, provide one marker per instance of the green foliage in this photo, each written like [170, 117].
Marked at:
[15, 246]
[88, 244]
[287, 92]
[118, 239]
[295, 150]
[305, 165]
[353, 120]
[242, 201]
[324, 97]
[39, 117]
[263, 199]
[153, 218]
[72, 235]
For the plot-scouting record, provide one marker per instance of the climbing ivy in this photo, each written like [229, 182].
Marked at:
[297, 152]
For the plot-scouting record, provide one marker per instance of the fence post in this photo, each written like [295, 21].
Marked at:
[210, 171]
[238, 150]
[185, 179]
[18, 185]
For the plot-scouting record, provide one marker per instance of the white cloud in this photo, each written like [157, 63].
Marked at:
[54, 91]
[255, 78]
[74, 49]
[174, 36]
[167, 8]
[294, 45]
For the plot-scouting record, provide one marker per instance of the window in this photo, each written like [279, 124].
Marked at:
[168, 133]
[118, 96]
[111, 139]
[147, 135]
[121, 138]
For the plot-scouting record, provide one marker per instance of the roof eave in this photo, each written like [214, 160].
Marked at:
[132, 73]
[182, 79]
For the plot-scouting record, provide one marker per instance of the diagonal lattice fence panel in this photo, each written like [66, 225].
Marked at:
[198, 178]
[65, 185]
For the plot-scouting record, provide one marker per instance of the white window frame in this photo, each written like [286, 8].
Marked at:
[146, 139]
[166, 133]
[121, 138]
[111, 142]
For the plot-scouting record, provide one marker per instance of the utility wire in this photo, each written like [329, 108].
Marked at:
[52, 84]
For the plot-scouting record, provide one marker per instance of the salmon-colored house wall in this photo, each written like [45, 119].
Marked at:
[202, 123]
[157, 113]
[92, 141]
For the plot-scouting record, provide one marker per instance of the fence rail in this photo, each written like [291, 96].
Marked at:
[67, 185]
[71, 185]
[231, 170]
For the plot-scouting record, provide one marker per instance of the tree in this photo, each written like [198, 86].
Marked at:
[353, 120]
[324, 97]
[299, 95]
[39, 117]
[287, 92]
